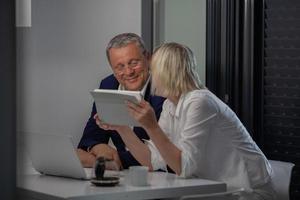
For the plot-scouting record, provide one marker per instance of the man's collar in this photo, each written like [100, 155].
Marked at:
[143, 91]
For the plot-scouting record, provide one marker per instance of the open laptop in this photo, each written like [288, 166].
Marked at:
[55, 155]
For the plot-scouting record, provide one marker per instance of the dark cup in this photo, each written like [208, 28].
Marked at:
[99, 167]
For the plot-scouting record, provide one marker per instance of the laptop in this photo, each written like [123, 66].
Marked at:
[55, 155]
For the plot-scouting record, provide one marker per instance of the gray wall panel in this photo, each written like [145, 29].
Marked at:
[61, 57]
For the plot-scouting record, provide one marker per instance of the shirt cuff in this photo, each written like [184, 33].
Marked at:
[188, 166]
[157, 161]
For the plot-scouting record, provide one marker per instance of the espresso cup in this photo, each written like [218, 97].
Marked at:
[99, 168]
[138, 175]
[104, 167]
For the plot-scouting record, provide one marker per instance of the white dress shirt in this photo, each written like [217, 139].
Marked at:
[214, 143]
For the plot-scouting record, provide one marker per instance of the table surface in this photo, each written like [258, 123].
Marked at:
[161, 185]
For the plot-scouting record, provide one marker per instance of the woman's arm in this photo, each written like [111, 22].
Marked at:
[168, 151]
[185, 158]
[144, 114]
[137, 148]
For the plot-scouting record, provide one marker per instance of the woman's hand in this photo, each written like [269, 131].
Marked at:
[143, 113]
[106, 126]
[138, 149]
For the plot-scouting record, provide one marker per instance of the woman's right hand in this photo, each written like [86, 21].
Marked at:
[143, 113]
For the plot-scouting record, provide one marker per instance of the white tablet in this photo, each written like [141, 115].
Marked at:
[111, 106]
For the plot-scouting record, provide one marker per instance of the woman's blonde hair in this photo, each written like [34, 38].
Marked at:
[173, 68]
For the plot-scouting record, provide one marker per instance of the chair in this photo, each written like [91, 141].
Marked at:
[281, 178]
[281, 181]
[230, 194]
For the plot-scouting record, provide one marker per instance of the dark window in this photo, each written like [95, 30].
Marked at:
[253, 64]
[281, 85]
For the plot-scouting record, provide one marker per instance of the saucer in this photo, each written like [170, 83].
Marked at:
[106, 181]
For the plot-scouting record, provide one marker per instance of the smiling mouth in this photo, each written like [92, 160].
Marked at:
[132, 79]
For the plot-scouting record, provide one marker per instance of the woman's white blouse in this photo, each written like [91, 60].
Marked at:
[214, 143]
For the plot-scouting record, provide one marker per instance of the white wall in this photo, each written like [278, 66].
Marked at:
[184, 21]
[62, 57]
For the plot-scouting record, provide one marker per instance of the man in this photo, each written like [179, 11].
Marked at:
[129, 61]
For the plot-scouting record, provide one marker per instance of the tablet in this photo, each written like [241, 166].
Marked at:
[111, 107]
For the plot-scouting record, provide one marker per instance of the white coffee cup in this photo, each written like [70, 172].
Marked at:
[138, 175]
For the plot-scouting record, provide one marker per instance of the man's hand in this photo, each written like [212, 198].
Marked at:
[105, 126]
[87, 159]
[108, 152]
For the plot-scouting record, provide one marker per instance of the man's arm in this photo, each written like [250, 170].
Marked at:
[100, 150]
[87, 159]
[94, 140]
[104, 150]
[92, 134]
[93, 144]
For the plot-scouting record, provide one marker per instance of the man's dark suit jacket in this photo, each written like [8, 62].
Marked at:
[93, 135]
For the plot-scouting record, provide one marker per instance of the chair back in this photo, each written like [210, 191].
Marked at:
[230, 194]
[281, 178]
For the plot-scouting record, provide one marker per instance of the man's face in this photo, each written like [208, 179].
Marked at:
[130, 66]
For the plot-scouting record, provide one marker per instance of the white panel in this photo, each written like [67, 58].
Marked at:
[62, 57]
[184, 22]
[23, 13]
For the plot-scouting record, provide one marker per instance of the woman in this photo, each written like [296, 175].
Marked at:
[197, 134]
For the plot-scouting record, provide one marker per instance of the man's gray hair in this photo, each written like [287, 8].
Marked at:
[123, 40]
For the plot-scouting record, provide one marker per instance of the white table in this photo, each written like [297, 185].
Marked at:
[161, 185]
